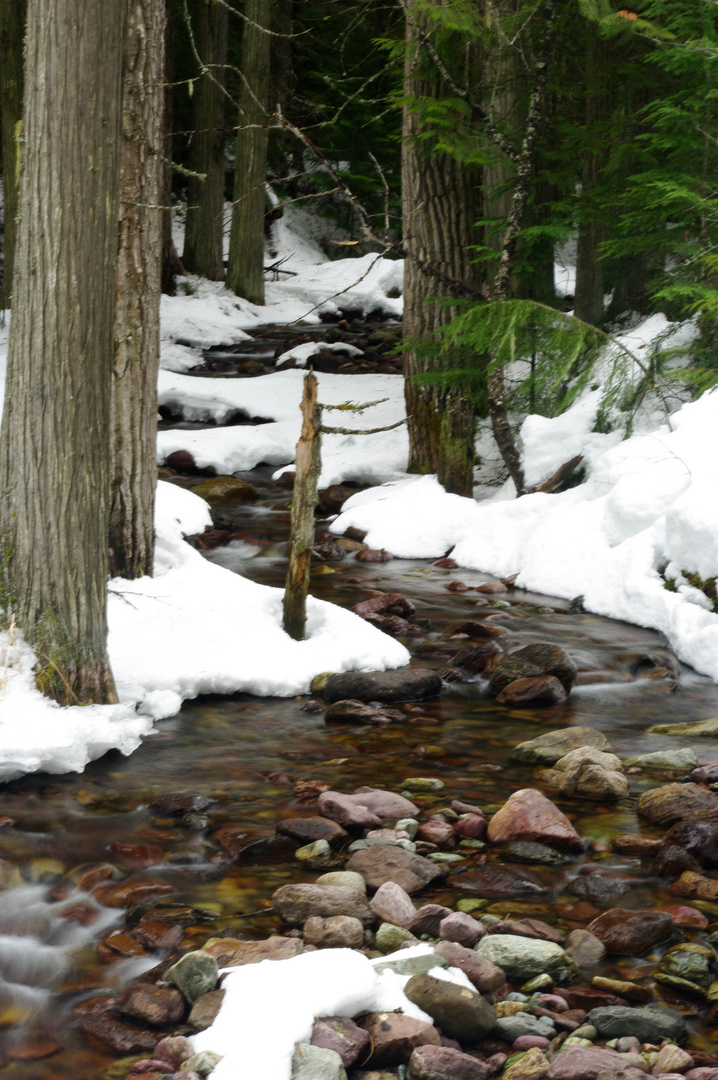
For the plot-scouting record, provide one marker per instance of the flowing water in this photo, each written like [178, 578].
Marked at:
[244, 757]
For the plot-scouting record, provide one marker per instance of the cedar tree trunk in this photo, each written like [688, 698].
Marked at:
[12, 33]
[55, 447]
[133, 425]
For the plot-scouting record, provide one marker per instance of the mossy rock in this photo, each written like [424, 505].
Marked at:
[225, 489]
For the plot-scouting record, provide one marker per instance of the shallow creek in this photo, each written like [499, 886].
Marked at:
[244, 756]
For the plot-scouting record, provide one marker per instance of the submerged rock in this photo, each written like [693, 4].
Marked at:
[631, 933]
[549, 748]
[532, 661]
[529, 815]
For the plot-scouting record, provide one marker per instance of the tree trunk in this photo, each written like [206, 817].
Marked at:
[304, 503]
[245, 267]
[171, 264]
[55, 446]
[588, 300]
[12, 33]
[133, 430]
[202, 252]
[441, 201]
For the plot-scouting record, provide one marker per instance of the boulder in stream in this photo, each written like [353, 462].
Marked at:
[676, 802]
[404, 684]
[531, 661]
[529, 815]
[553, 745]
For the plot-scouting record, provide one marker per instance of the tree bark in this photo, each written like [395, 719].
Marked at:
[441, 201]
[245, 267]
[304, 503]
[171, 264]
[12, 33]
[55, 448]
[204, 229]
[133, 430]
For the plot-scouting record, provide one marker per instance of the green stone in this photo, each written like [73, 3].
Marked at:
[316, 850]
[423, 783]
[468, 904]
[541, 982]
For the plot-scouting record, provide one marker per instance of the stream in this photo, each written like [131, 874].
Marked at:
[192, 813]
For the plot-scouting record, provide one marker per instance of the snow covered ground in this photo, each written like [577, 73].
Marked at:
[645, 513]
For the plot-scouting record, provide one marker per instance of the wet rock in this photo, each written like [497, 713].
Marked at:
[671, 1059]
[682, 760]
[437, 830]
[530, 928]
[351, 711]
[482, 972]
[588, 997]
[461, 928]
[586, 1063]
[392, 904]
[687, 916]
[316, 1063]
[342, 1035]
[635, 844]
[152, 1005]
[445, 1063]
[204, 1011]
[672, 860]
[619, 992]
[585, 948]
[698, 838]
[676, 802]
[496, 882]
[312, 828]
[373, 555]
[427, 920]
[649, 1025]
[526, 851]
[460, 1013]
[378, 865]
[481, 659]
[529, 815]
[366, 808]
[133, 890]
[471, 827]
[511, 1028]
[479, 628]
[689, 962]
[533, 1065]
[523, 958]
[225, 489]
[389, 938]
[181, 461]
[706, 774]
[534, 690]
[335, 932]
[631, 933]
[175, 1048]
[119, 1036]
[531, 661]
[385, 604]
[549, 748]
[695, 886]
[203, 1063]
[394, 1037]
[601, 888]
[297, 903]
[194, 974]
[156, 934]
[406, 684]
[344, 879]
[231, 952]
[588, 775]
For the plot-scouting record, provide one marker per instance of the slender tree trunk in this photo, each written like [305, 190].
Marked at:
[12, 33]
[245, 267]
[133, 431]
[441, 201]
[171, 264]
[304, 503]
[588, 300]
[202, 252]
[54, 451]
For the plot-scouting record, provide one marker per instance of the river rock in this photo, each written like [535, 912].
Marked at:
[481, 659]
[428, 919]
[342, 1035]
[698, 838]
[343, 879]
[232, 952]
[529, 815]
[350, 711]
[690, 962]
[297, 903]
[496, 882]
[120, 1037]
[385, 604]
[694, 886]
[553, 745]
[205, 1010]
[437, 830]
[471, 827]
[347, 810]
[526, 851]
[676, 802]
[590, 754]
[533, 1065]
[460, 1013]
[682, 760]
[316, 1063]
[586, 1063]
[174, 1048]
[672, 1059]
[445, 1063]
[312, 828]
[530, 661]
[152, 1005]
[523, 958]
[588, 780]
[585, 948]
[485, 975]
[386, 805]
[461, 928]
[334, 932]
[225, 489]
[649, 1025]
[406, 684]
[378, 865]
[631, 933]
[194, 974]
[392, 904]
[511, 1028]
[394, 1037]
[533, 690]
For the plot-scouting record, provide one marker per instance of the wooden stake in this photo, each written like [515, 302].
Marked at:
[304, 503]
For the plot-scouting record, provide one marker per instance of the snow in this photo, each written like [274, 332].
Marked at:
[332, 982]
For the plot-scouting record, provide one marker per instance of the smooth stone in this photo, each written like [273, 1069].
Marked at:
[203, 1063]
[523, 958]
[585, 1031]
[414, 684]
[231, 952]
[532, 1065]
[673, 1059]
[591, 755]
[698, 838]
[342, 1035]
[620, 988]
[174, 1048]
[471, 827]
[496, 882]
[316, 1063]
[334, 932]
[585, 1063]
[691, 727]
[378, 865]
[585, 948]
[389, 938]
[194, 974]
[530, 661]
[204, 1011]
[343, 879]
[297, 903]
[683, 962]
[590, 781]
[427, 919]
[526, 1042]
[409, 825]
[445, 1063]
[543, 690]
[650, 1025]
[461, 928]
[423, 783]
[529, 815]
[684, 759]
[485, 975]
[384, 804]
[460, 1013]
[694, 886]
[528, 851]
[152, 1005]
[553, 745]
[395, 1036]
[631, 933]
[392, 904]
[308, 829]
[319, 849]
[538, 983]
[675, 802]
[225, 489]
[510, 1028]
